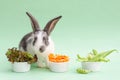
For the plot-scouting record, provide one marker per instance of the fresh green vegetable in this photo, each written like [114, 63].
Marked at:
[95, 52]
[81, 59]
[15, 55]
[82, 71]
[95, 56]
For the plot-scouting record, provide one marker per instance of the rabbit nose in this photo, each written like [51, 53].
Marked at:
[42, 49]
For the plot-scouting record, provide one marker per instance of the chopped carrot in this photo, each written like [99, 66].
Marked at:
[58, 58]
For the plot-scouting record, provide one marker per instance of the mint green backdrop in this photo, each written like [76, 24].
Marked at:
[85, 25]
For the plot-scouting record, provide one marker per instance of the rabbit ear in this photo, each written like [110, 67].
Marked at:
[51, 24]
[34, 23]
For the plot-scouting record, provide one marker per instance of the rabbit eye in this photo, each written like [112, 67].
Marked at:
[45, 40]
[35, 39]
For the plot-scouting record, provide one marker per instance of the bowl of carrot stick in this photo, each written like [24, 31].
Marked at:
[58, 62]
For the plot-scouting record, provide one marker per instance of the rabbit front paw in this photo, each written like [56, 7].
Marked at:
[41, 64]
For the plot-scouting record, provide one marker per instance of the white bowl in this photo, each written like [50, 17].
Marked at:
[92, 66]
[58, 67]
[21, 66]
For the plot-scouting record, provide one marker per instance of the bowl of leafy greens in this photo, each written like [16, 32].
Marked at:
[94, 60]
[20, 60]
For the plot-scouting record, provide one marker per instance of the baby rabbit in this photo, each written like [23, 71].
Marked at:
[38, 42]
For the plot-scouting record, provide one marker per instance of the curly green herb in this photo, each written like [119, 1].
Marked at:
[15, 55]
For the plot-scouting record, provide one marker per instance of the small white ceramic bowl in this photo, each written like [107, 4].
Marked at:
[58, 67]
[92, 66]
[21, 66]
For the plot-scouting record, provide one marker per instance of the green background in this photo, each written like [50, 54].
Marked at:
[85, 25]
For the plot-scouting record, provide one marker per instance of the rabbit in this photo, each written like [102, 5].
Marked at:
[38, 42]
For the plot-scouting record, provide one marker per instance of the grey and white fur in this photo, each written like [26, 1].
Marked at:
[38, 42]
